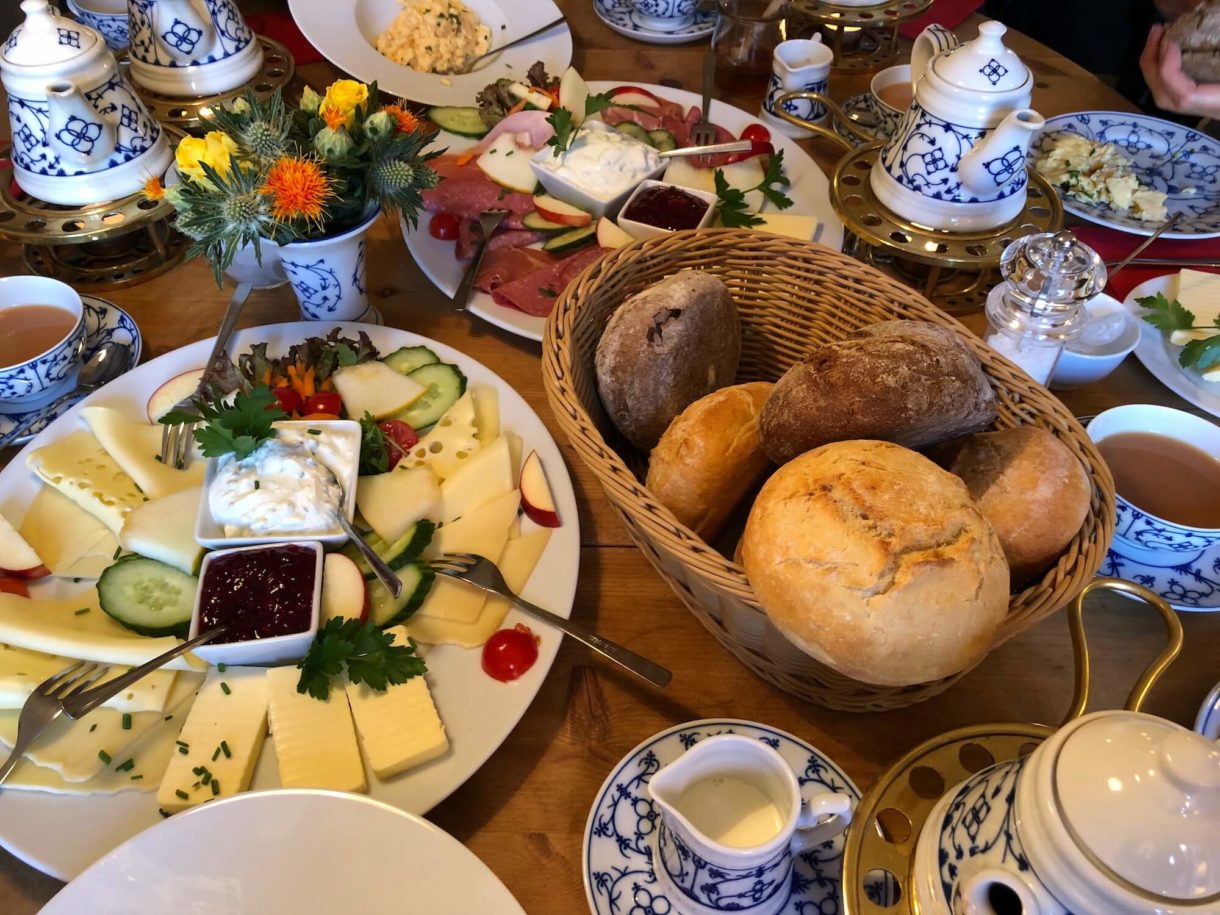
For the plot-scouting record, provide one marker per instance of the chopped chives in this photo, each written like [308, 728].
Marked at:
[206, 777]
[127, 721]
[215, 787]
[224, 688]
[118, 551]
[182, 743]
[136, 778]
[314, 431]
[125, 766]
[199, 770]
[216, 754]
[222, 667]
[104, 757]
[164, 813]
[81, 612]
[258, 485]
[182, 794]
[183, 750]
[92, 728]
[169, 717]
[224, 748]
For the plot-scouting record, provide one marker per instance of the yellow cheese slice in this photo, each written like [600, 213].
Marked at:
[794, 226]
[229, 712]
[315, 739]
[482, 479]
[21, 670]
[451, 442]
[78, 750]
[392, 502]
[54, 626]
[164, 529]
[486, 412]
[80, 468]
[72, 542]
[136, 447]
[1199, 292]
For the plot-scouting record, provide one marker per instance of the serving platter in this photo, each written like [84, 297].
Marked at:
[346, 34]
[62, 835]
[809, 190]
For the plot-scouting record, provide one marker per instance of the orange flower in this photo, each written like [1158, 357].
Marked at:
[298, 190]
[153, 189]
[333, 117]
[406, 121]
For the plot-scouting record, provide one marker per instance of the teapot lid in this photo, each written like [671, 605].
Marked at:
[46, 37]
[984, 64]
[1141, 798]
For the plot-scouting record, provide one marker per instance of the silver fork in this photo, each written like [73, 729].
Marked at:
[484, 574]
[489, 221]
[703, 133]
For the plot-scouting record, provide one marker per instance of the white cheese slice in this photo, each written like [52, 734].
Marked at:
[450, 443]
[164, 529]
[231, 709]
[80, 468]
[1199, 293]
[486, 412]
[482, 479]
[55, 626]
[1211, 375]
[315, 739]
[21, 670]
[791, 225]
[136, 446]
[72, 542]
[392, 502]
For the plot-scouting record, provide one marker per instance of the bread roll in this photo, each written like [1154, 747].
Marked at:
[1197, 33]
[1031, 488]
[710, 457]
[876, 562]
[663, 349]
[900, 381]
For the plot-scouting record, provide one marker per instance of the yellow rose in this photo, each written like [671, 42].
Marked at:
[345, 96]
[216, 149]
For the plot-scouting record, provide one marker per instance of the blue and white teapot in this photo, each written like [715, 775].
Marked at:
[957, 160]
[191, 48]
[80, 134]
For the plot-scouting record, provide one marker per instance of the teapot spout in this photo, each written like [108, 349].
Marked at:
[1000, 158]
[75, 130]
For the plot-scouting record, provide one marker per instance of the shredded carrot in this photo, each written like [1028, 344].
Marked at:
[308, 383]
[326, 385]
[465, 157]
[520, 106]
[267, 376]
[320, 416]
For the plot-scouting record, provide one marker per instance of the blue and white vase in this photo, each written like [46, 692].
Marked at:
[798, 65]
[329, 275]
[190, 48]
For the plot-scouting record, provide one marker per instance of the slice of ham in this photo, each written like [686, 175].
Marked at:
[508, 264]
[469, 196]
[646, 119]
[468, 239]
[531, 127]
[535, 292]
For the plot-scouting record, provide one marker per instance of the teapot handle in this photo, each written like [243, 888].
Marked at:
[935, 39]
[1152, 673]
[820, 129]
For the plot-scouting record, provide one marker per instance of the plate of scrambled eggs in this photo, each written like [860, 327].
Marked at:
[410, 46]
[1132, 172]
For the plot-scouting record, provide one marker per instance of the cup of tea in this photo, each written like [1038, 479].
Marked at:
[42, 334]
[663, 15]
[798, 65]
[889, 96]
[1166, 466]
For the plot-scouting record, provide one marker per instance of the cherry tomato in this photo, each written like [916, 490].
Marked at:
[509, 653]
[402, 435]
[16, 586]
[444, 226]
[289, 400]
[757, 133]
[323, 402]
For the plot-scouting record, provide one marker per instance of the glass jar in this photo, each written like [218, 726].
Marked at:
[1033, 314]
[746, 35]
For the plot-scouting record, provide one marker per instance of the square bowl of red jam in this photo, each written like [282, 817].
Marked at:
[267, 596]
[658, 208]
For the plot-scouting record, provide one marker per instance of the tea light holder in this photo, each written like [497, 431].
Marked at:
[864, 38]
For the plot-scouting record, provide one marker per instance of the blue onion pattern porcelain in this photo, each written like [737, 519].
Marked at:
[623, 845]
[189, 48]
[797, 65]
[664, 15]
[328, 275]
[1208, 721]
[1188, 581]
[1172, 158]
[48, 374]
[106, 17]
[619, 16]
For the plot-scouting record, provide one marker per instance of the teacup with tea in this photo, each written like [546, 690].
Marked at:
[889, 96]
[42, 334]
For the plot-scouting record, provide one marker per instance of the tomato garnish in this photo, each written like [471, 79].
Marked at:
[402, 435]
[757, 133]
[509, 653]
[289, 400]
[323, 402]
[444, 226]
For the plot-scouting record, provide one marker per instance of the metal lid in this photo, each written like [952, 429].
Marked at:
[1052, 271]
[985, 64]
[46, 37]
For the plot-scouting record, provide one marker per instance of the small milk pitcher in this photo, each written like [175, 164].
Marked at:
[798, 65]
[732, 817]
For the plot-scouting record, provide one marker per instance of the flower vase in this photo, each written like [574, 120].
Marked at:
[328, 274]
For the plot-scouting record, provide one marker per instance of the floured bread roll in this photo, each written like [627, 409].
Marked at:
[1197, 33]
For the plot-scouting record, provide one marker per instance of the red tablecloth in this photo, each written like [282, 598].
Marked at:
[949, 13]
[283, 29]
[1112, 246]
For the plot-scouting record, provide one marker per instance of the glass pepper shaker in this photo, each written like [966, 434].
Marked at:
[1037, 310]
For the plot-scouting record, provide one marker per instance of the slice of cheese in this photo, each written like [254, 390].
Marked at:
[230, 712]
[21, 670]
[164, 529]
[1199, 293]
[78, 750]
[80, 468]
[451, 442]
[315, 739]
[399, 727]
[392, 502]
[486, 412]
[801, 227]
[72, 542]
[482, 479]
[58, 626]
[136, 447]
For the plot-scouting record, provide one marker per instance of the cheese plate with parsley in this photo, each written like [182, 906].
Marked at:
[437, 250]
[381, 694]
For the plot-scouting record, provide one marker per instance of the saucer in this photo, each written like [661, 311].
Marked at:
[1208, 722]
[619, 15]
[857, 108]
[620, 834]
[1189, 581]
[104, 322]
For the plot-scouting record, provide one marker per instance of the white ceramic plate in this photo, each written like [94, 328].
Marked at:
[619, 16]
[64, 835]
[1161, 359]
[288, 851]
[810, 193]
[346, 34]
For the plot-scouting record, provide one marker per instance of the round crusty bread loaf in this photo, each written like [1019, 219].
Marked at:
[663, 349]
[710, 457]
[1197, 33]
[1031, 488]
[876, 562]
[906, 382]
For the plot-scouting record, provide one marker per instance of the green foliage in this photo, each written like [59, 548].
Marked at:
[237, 429]
[368, 655]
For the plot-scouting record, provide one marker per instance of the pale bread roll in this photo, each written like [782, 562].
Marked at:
[710, 456]
[1197, 33]
[876, 562]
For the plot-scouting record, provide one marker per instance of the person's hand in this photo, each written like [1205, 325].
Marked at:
[1172, 89]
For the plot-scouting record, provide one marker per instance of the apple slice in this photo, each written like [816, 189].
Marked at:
[555, 210]
[344, 593]
[374, 387]
[530, 96]
[10, 585]
[634, 95]
[609, 235]
[536, 499]
[573, 93]
[508, 165]
[166, 397]
[17, 558]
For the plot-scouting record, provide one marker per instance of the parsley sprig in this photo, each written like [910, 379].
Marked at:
[374, 450]
[734, 212]
[567, 126]
[235, 429]
[1169, 315]
[364, 651]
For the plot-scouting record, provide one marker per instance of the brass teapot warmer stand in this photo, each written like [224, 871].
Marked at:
[864, 38]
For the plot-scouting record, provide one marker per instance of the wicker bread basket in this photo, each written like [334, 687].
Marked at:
[792, 295]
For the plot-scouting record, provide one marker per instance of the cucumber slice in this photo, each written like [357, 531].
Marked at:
[445, 384]
[405, 549]
[538, 223]
[465, 122]
[633, 130]
[148, 597]
[570, 241]
[385, 610]
[662, 139]
[409, 358]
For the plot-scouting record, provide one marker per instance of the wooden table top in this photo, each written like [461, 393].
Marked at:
[524, 812]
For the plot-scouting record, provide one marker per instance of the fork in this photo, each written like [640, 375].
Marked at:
[484, 574]
[489, 221]
[703, 133]
[72, 692]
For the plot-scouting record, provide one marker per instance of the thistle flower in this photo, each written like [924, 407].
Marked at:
[405, 121]
[238, 106]
[258, 128]
[379, 124]
[154, 189]
[310, 101]
[391, 176]
[332, 143]
[298, 190]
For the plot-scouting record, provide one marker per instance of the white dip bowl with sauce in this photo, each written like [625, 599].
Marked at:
[284, 491]
[599, 169]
